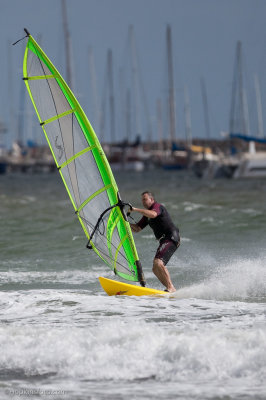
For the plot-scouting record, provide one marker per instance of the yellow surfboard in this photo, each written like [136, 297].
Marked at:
[116, 288]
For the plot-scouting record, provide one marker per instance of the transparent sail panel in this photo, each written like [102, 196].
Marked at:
[83, 186]
[35, 66]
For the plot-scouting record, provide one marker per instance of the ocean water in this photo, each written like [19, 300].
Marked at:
[62, 337]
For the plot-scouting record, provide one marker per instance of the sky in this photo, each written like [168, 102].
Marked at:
[204, 38]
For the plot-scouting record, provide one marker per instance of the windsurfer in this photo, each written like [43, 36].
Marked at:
[156, 215]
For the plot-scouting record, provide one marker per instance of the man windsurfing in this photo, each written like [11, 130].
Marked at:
[156, 215]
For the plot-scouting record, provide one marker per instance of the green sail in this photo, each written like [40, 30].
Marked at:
[82, 164]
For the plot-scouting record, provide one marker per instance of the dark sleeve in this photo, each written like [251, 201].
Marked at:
[157, 208]
[143, 222]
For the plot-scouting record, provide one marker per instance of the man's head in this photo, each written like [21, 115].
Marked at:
[147, 199]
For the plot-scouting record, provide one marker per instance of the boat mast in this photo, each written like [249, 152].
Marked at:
[187, 117]
[111, 94]
[69, 75]
[160, 124]
[238, 95]
[171, 99]
[246, 113]
[93, 80]
[259, 106]
[241, 89]
[134, 70]
[205, 107]
[139, 99]
[128, 114]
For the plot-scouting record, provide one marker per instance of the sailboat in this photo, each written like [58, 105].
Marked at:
[85, 171]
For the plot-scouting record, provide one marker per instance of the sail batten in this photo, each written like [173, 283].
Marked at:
[31, 78]
[76, 156]
[92, 196]
[82, 164]
[57, 116]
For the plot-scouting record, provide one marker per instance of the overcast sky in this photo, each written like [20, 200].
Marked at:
[204, 36]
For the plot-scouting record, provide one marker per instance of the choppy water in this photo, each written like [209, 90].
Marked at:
[61, 337]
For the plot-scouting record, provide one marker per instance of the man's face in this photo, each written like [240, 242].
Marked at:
[147, 201]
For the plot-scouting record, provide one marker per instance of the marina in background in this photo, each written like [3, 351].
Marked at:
[236, 153]
[230, 158]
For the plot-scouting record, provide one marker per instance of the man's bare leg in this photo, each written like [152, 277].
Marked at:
[160, 270]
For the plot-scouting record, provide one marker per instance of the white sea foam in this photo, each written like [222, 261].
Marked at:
[80, 337]
[136, 350]
[147, 236]
[248, 211]
[188, 206]
[185, 239]
[207, 219]
[45, 277]
[77, 237]
[251, 212]
[239, 279]
[26, 200]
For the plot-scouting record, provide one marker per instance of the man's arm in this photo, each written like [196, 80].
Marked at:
[144, 220]
[146, 213]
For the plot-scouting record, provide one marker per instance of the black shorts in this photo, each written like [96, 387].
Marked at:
[166, 249]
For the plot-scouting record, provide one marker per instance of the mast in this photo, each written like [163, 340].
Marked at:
[238, 96]
[128, 114]
[171, 100]
[245, 112]
[111, 94]
[139, 100]
[2, 141]
[205, 107]
[102, 122]
[69, 75]
[259, 106]
[160, 124]
[134, 66]
[93, 81]
[187, 117]
[243, 99]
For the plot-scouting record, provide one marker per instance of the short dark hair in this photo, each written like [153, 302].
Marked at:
[150, 194]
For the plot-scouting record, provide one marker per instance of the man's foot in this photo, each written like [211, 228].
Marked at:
[171, 290]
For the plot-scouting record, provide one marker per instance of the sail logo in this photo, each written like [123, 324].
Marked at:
[59, 147]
